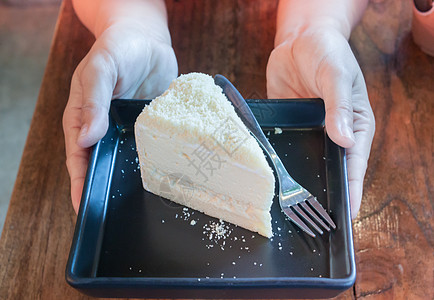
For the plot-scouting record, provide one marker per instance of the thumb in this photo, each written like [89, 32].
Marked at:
[97, 78]
[337, 94]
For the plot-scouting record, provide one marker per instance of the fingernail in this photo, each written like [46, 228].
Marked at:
[83, 130]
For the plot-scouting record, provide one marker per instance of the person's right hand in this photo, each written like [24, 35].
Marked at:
[126, 61]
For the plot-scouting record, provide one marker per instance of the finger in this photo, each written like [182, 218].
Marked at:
[358, 155]
[76, 156]
[357, 162]
[77, 167]
[97, 78]
[356, 172]
[336, 88]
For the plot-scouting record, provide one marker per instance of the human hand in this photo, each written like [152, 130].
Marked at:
[318, 62]
[125, 62]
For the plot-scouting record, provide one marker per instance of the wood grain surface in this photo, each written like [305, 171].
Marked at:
[393, 233]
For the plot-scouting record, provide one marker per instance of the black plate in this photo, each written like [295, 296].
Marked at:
[131, 243]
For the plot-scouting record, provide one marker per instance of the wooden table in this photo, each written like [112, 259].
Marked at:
[394, 231]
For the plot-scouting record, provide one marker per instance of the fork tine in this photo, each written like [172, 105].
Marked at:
[318, 207]
[307, 219]
[294, 218]
[314, 215]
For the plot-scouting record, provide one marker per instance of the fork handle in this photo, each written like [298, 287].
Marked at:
[246, 115]
[244, 112]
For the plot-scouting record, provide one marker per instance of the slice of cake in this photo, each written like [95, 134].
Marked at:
[194, 150]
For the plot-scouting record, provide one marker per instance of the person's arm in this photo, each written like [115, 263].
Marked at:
[312, 58]
[99, 15]
[293, 17]
[131, 57]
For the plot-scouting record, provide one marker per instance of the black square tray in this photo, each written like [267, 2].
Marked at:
[131, 243]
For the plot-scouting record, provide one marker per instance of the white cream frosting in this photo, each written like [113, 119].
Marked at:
[235, 185]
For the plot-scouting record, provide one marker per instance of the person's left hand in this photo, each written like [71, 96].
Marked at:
[319, 62]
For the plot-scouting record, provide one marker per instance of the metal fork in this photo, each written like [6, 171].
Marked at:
[293, 198]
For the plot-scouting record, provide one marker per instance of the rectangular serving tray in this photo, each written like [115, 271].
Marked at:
[131, 243]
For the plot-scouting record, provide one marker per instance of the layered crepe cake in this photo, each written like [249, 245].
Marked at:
[193, 149]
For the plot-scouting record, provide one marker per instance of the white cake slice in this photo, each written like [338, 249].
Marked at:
[194, 150]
